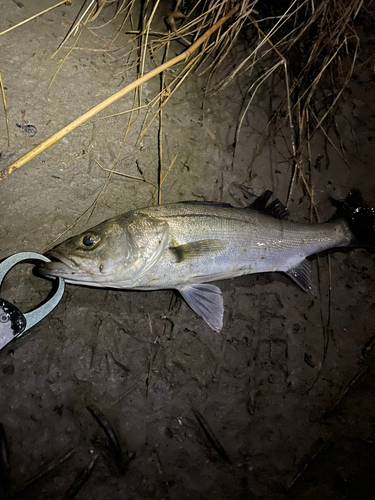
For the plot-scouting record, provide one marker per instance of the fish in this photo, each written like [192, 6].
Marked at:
[187, 245]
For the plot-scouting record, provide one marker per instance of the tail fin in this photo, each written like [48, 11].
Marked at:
[360, 218]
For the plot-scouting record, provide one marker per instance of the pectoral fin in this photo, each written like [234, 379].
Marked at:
[301, 274]
[207, 302]
[196, 249]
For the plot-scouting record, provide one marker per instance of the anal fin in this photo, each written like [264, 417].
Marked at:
[207, 302]
[301, 274]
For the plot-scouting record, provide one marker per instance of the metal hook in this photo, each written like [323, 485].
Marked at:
[9, 311]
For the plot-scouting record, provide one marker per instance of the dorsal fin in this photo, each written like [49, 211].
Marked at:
[275, 209]
[260, 203]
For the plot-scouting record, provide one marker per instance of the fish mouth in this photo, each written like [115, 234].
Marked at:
[60, 266]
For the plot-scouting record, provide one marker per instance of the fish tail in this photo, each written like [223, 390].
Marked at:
[360, 218]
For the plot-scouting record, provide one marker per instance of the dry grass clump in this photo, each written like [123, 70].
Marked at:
[311, 46]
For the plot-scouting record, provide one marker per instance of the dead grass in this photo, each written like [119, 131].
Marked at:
[311, 46]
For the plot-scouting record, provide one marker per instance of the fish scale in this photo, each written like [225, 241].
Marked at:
[255, 243]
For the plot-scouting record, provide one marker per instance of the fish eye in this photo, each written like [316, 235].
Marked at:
[89, 240]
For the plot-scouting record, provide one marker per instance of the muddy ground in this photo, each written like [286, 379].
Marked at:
[287, 387]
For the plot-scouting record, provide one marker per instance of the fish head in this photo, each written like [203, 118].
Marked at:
[112, 254]
[100, 256]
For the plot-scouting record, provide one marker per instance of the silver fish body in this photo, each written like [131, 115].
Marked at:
[189, 243]
[184, 246]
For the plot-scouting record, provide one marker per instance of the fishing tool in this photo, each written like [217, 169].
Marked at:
[14, 323]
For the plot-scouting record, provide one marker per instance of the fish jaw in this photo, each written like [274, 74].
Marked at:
[62, 267]
[76, 270]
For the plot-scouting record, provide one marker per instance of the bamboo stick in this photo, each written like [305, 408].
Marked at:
[110, 100]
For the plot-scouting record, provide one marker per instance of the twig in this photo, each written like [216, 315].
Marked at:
[119, 456]
[162, 181]
[127, 175]
[352, 382]
[92, 206]
[143, 54]
[212, 439]
[40, 475]
[322, 447]
[110, 100]
[129, 7]
[5, 107]
[123, 112]
[160, 136]
[64, 59]
[73, 30]
[81, 479]
[187, 69]
[66, 2]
